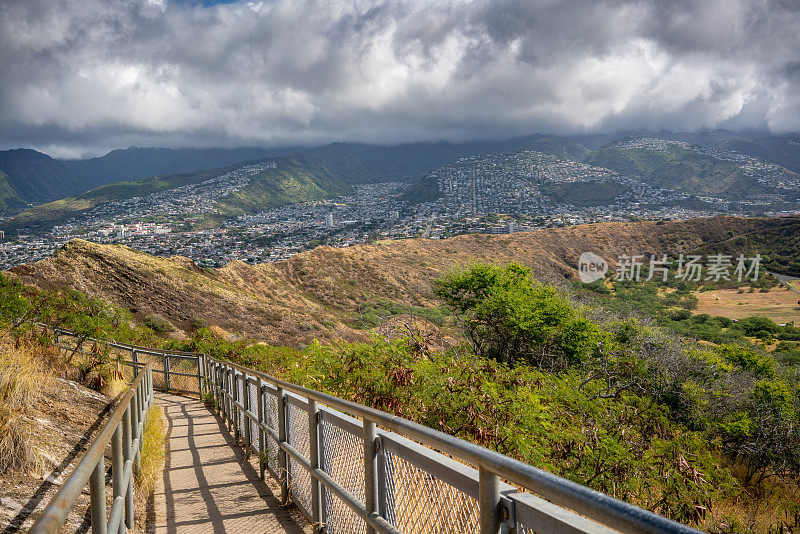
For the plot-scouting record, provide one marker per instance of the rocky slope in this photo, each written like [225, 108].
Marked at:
[318, 293]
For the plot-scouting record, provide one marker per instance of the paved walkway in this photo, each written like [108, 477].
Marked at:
[208, 484]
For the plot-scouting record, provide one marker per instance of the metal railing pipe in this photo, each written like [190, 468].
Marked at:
[127, 455]
[313, 447]
[97, 499]
[370, 471]
[283, 461]
[91, 469]
[262, 438]
[246, 408]
[603, 508]
[489, 501]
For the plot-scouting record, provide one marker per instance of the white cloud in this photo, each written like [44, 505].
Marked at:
[96, 73]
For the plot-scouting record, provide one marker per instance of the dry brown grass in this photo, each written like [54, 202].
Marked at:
[779, 304]
[153, 451]
[22, 377]
[113, 388]
[316, 294]
[152, 459]
[766, 511]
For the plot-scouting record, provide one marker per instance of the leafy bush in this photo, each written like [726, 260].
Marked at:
[509, 317]
[158, 324]
[752, 325]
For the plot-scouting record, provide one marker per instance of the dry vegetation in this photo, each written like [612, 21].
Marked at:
[22, 379]
[152, 461]
[779, 304]
[46, 421]
[316, 294]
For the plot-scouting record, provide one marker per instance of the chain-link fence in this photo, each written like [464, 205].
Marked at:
[173, 371]
[353, 469]
[372, 472]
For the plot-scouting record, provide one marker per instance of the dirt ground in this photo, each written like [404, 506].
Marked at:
[66, 416]
[780, 304]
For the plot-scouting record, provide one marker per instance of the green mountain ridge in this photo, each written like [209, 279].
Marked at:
[295, 179]
[45, 216]
[681, 169]
[36, 178]
[783, 150]
[9, 199]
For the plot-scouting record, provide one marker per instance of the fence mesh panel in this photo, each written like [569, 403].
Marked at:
[419, 503]
[297, 436]
[271, 419]
[343, 460]
[157, 364]
[184, 365]
[252, 397]
[239, 383]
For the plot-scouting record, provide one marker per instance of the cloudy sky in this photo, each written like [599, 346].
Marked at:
[80, 77]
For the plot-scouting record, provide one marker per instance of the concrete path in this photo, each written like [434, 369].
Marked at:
[208, 484]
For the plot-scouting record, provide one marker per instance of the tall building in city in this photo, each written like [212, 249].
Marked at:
[329, 221]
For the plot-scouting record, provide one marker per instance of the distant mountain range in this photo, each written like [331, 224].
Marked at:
[314, 174]
[713, 171]
[30, 177]
[43, 191]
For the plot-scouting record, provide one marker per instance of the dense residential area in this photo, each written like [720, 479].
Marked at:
[487, 193]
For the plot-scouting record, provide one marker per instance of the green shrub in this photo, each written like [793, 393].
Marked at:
[752, 325]
[158, 324]
[680, 315]
[509, 317]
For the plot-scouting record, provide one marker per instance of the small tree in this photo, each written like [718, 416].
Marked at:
[508, 316]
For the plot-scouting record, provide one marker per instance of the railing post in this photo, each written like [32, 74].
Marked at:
[313, 442]
[370, 472]
[117, 462]
[237, 430]
[229, 397]
[127, 456]
[199, 379]
[223, 378]
[218, 388]
[283, 460]
[262, 442]
[97, 496]
[382, 493]
[166, 372]
[246, 420]
[206, 389]
[136, 416]
[489, 501]
[135, 360]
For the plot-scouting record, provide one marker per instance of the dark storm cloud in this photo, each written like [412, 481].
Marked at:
[88, 75]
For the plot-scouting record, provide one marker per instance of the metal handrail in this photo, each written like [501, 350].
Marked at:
[119, 344]
[501, 506]
[135, 351]
[123, 430]
[220, 377]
